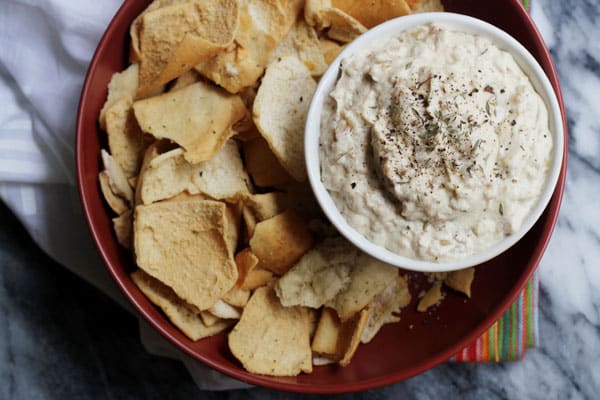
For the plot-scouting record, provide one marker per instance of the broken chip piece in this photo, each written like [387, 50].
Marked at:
[280, 241]
[288, 84]
[175, 38]
[184, 244]
[180, 314]
[198, 118]
[271, 339]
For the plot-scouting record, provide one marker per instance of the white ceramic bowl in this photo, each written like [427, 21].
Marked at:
[382, 33]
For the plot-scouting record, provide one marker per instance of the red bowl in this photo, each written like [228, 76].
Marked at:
[408, 352]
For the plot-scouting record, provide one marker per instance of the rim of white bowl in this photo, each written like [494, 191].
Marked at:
[459, 23]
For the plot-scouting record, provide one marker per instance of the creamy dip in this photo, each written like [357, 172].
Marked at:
[434, 145]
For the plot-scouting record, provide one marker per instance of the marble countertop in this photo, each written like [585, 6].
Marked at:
[62, 338]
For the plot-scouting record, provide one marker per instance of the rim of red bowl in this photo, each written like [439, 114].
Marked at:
[333, 388]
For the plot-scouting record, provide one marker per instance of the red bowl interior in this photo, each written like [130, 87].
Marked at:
[433, 339]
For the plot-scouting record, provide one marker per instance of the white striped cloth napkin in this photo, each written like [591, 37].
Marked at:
[45, 49]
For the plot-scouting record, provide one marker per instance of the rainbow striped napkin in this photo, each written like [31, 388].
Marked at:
[512, 334]
[515, 331]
